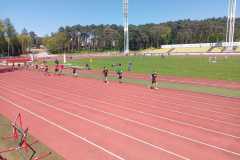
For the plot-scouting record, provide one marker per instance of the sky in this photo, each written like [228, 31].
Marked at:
[46, 16]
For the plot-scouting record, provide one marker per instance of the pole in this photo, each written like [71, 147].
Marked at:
[64, 58]
[8, 48]
[228, 20]
[232, 4]
[234, 20]
[126, 32]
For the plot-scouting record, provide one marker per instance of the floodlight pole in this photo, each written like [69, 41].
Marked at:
[125, 21]
[232, 5]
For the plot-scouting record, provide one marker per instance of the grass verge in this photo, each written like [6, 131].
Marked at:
[178, 86]
[6, 130]
[181, 66]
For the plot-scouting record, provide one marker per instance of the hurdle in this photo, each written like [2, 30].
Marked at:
[20, 136]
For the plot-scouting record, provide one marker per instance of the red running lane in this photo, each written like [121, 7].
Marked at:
[212, 124]
[71, 104]
[209, 105]
[167, 141]
[153, 138]
[120, 144]
[216, 101]
[215, 124]
[62, 142]
[174, 79]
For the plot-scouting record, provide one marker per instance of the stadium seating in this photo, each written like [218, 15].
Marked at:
[217, 49]
[161, 50]
[191, 50]
[157, 50]
[237, 49]
[154, 51]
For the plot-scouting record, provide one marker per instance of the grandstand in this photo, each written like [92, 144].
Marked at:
[237, 49]
[216, 49]
[195, 49]
[191, 50]
[157, 50]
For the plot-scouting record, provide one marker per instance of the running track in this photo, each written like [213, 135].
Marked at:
[181, 80]
[86, 119]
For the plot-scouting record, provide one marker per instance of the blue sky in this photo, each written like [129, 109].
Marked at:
[46, 16]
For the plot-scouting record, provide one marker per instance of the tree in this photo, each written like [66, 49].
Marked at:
[3, 42]
[110, 37]
[25, 41]
[57, 43]
[14, 48]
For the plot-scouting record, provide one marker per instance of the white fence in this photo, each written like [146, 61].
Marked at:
[223, 44]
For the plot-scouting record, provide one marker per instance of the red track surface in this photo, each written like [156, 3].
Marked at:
[15, 60]
[86, 119]
[183, 80]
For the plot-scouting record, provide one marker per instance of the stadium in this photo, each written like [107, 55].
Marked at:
[154, 91]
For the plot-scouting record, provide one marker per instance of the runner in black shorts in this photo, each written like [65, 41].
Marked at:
[74, 72]
[36, 66]
[154, 80]
[120, 77]
[46, 70]
[120, 72]
[105, 74]
[56, 69]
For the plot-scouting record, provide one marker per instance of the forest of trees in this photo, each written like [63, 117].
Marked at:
[13, 43]
[110, 37]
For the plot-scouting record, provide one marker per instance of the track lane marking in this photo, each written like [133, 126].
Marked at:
[105, 127]
[196, 108]
[149, 114]
[60, 127]
[148, 126]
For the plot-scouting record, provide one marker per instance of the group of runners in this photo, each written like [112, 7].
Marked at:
[118, 68]
[119, 73]
[44, 67]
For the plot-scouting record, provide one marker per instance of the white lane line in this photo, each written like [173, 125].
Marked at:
[196, 108]
[200, 109]
[226, 99]
[177, 104]
[198, 97]
[151, 127]
[146, 114]
[179, 112]
[60, 127]
[196, 101]
[103, 126]
[214, 111]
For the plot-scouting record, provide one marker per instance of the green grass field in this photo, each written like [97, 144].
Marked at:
[6, 130]
[184, 66]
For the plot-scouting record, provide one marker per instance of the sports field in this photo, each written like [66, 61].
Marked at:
[181, 66]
